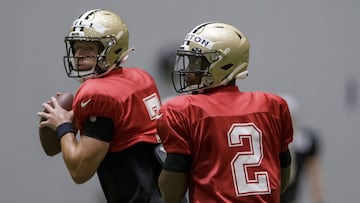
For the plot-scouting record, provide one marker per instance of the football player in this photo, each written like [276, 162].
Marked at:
[114, 110]
[222, 144]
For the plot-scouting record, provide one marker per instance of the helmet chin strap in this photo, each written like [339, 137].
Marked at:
[236, 74]
[208, 81]
[124, 56]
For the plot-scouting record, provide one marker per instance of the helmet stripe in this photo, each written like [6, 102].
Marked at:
[83, 17]
[88, 13]
[202, 25]
[186, 42]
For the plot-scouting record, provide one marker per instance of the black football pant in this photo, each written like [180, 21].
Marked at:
[131, 175]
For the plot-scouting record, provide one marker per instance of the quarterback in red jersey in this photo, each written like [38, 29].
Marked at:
[222, 145]
[114, 110]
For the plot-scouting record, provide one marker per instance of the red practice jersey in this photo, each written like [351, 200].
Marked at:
[234, 139]
[129, 97]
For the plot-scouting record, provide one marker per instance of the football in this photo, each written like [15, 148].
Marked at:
[48, 138]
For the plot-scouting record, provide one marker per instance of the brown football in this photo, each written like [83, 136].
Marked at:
[48, 138]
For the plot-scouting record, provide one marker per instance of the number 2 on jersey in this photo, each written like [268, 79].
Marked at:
[243, 160]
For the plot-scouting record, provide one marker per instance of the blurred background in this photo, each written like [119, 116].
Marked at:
[305, 48]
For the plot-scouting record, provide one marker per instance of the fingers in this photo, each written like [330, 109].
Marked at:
[54, 114]
[55, 102]
[45, 121]
[48, 116]
[44, 116]
[47, 107]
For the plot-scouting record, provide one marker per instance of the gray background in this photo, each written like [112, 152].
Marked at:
[307, 48]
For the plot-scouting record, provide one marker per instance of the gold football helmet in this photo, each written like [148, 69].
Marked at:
[101, 26]
[213, 54]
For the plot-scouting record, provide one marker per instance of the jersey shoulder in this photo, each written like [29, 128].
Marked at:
[268, 96]
[265, 102]
[178, 102]
[138, 73]
[138, 80]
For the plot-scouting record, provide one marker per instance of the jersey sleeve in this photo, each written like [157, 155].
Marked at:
[173, 130]
[287, 128]
[89, 105]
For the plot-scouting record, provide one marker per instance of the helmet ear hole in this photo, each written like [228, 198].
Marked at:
[227, 66]
[117, 51]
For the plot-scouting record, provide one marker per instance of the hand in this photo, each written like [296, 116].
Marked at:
[54, 115]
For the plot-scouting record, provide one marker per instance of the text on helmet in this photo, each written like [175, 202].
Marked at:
[199, 40]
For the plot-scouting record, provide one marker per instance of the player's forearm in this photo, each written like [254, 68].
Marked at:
[285, 163]
[83, 157]
[285, 178]
[74, 160]
[171, 195]
[172, 186]
[171, 198]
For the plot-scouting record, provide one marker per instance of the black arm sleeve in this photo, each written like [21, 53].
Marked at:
[285, 159]
[101, 128]
[177, 163]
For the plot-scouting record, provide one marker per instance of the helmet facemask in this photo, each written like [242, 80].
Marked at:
[191, 69]
[71, 62]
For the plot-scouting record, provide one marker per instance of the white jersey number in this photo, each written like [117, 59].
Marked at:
[152, 104]
[244, 160]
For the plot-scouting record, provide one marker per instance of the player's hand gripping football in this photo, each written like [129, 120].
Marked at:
[54, 115]
[48, 136]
